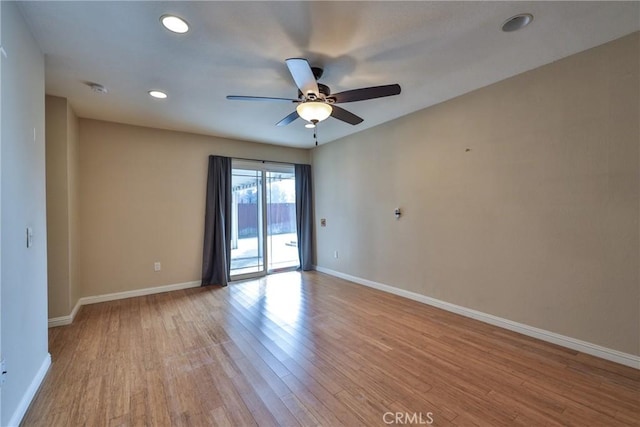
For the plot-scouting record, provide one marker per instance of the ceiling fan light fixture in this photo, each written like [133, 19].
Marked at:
[314, 110]
[174, 23]
[310, 125]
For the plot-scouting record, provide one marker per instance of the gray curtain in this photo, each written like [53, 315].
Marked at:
[216, 257]
[304, 216]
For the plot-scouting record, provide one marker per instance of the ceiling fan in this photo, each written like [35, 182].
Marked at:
[315, 100]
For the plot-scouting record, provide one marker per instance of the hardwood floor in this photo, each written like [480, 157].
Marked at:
[310, 349]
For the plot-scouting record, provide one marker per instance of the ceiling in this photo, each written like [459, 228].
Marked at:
[434, 50]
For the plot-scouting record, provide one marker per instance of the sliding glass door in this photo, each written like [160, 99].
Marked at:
[263, 220]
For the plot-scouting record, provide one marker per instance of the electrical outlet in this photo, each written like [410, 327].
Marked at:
[156, 266]
[335, 254]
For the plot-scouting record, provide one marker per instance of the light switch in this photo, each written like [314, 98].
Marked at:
[29, 237]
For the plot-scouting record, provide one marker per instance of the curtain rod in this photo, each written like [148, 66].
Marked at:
[264, 161]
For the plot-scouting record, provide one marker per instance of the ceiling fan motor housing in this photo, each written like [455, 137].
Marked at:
[323, 89]
[317, 72]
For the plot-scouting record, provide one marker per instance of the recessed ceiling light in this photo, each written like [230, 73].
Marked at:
[517, 22]
[174, 23]
[157, 94]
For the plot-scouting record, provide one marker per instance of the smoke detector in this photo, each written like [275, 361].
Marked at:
[98, 88]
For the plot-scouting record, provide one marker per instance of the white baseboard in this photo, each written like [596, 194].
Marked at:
[137, 293]
[541, 334]
[28, 396]
[67, 320]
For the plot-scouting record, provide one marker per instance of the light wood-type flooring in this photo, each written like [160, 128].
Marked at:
[310, 349]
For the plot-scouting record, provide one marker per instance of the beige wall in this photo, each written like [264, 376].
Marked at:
[538, 223]
[23, 303]
[142, 200]
[62, 160]
[73, 192]
[57, 206]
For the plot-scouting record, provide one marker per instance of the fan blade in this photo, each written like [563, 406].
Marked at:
[344, 115]
[291, 117]
[259, 98]
[366, 93]
[302, 75]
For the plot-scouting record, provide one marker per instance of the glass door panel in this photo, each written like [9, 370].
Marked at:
[247, 234]
[282, 239]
